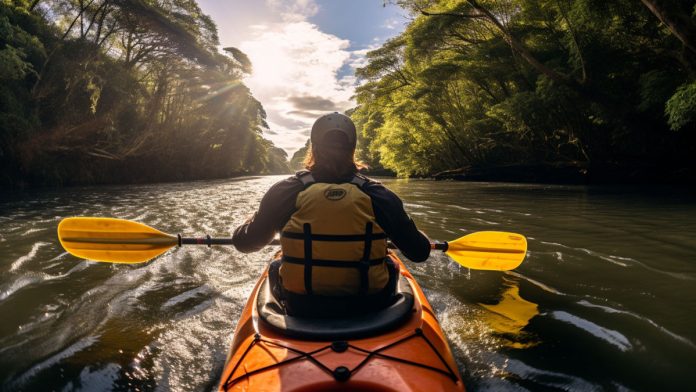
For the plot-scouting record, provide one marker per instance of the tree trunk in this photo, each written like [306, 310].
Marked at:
[519, 47]
[677, 22]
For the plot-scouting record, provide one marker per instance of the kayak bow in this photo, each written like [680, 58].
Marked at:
[270, 353]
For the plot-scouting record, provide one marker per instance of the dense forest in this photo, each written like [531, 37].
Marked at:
[104, 91]
[551, 89]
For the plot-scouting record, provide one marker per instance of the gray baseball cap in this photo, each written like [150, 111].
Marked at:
[321, 130]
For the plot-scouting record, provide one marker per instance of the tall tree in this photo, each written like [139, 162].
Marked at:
[554, 82]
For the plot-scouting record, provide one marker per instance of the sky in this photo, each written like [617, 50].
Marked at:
[303, 53]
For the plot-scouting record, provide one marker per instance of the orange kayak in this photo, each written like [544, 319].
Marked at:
[401, 348]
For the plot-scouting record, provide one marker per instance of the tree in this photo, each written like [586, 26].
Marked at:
[555, 82]
[124, 91]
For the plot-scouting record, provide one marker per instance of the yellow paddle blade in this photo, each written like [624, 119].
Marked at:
[112, 240]
[489, 250]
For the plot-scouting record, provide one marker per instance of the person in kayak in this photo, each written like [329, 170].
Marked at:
[333, 224]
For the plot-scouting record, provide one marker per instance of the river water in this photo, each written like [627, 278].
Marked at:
[606, 299]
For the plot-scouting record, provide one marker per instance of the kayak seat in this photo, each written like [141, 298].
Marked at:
[353, 327]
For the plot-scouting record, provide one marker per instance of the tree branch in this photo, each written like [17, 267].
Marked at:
[682, 27]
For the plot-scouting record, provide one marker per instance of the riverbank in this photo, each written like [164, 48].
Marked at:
[568, 174]
[126, 177]
[577, 174]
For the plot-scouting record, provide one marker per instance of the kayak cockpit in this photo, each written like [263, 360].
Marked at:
[272, 313]
[398, 348]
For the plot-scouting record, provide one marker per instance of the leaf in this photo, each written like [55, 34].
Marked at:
[681, 107]
[241, 58]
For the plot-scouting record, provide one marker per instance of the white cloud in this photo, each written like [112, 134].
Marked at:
[295, 77]
[300, 72]
[294, 10]
[393, 23]
[358, 58]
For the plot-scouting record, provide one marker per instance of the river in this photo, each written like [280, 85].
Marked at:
[605, 300]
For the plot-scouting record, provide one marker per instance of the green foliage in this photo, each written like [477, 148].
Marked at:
[103, 91]
[488, 83]
[241, 58]
[12, 64]
[681, 107]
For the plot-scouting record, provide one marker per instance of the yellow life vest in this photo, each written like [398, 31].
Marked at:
[332, 245]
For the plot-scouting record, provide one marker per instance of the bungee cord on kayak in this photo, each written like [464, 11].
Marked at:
[340, 373]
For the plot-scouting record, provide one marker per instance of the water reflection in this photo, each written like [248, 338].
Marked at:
[509, 316]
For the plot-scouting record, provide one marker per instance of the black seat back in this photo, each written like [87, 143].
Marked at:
[357, 326]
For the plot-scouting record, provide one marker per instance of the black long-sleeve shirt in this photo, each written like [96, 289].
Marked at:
[278, 205]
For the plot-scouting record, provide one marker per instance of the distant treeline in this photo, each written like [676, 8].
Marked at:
[104, 91]
[606, 88]
[298, 158]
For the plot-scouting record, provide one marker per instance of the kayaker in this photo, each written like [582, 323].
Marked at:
[333, 224]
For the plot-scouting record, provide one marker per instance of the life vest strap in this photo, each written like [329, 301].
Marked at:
[334, 237]
[306, 178]
[333, 263]
[365, 262]
[359, 181]
[308, 258]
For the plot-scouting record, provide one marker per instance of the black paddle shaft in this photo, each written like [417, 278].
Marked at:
[443, 246]
[207, 240]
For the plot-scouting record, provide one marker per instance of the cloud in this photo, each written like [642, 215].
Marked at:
[292, 141]
[300, 71]
[303, 113]
[296, 77]
[293, 10]
[393, 23]
[312, 103]
[358, 58]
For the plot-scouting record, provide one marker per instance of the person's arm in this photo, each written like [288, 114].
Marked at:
[275, 209]
[402, 231]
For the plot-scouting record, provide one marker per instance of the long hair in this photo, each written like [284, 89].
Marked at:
[332, 160]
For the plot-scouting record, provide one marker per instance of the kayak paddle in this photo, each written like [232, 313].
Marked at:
[486, 250]
[123, 241]
[120, 240]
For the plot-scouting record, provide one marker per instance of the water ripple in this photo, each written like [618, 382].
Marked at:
[167, 324]
[639, 317]
[29, 256]
[185, 296]
[71, 350]
[608, 335]
[562, 381]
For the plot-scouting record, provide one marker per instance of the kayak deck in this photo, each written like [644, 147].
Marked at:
[413, 356]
